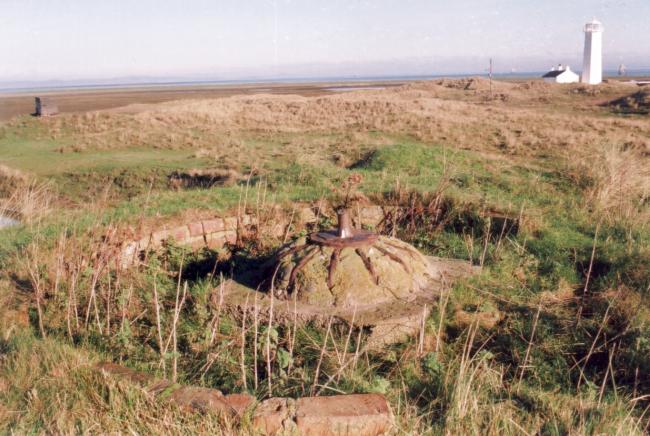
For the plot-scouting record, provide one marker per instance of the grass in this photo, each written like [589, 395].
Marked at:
[569, 289]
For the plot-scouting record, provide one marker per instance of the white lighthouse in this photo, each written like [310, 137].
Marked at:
[592, 67]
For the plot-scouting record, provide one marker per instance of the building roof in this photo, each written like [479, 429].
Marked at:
[553, 73]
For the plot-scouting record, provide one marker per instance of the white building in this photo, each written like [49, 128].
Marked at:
[592, 67]
[561, 74]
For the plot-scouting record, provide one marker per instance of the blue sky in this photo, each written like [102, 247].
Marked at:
[65, 39]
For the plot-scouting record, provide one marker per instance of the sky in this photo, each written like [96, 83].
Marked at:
[230, 39]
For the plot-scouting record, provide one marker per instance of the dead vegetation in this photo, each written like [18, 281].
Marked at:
[24, 198]
[621, 186]
[10, 180]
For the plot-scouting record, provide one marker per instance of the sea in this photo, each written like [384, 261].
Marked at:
[18, 88]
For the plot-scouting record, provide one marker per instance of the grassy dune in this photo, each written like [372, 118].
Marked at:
[551, 338]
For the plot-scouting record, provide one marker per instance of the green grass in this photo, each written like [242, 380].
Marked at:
[42, 158]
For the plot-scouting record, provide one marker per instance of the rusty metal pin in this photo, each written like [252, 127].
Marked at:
[344, 235]
[345, 225]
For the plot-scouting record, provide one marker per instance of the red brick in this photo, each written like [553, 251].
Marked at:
[157, 238]
[143, 244]
[212, 226]
[219, 239]
[196, 242]
[180, 234]
[215, 240]
[239, 402]
[274, 416]
[247, 220]
[231, 237]
[360, 415]
[230, 223]
[200, 399]
[196, 229]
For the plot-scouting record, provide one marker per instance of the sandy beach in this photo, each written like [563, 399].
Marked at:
[89, 99]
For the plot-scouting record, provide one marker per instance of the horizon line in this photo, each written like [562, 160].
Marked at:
[171, 80]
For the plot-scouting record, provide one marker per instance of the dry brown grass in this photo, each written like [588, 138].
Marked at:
[563, 295]
[527, 118]
[10, 180]
[22, 196]
[621, 186]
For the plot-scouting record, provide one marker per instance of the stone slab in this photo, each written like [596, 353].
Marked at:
[372, 215]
